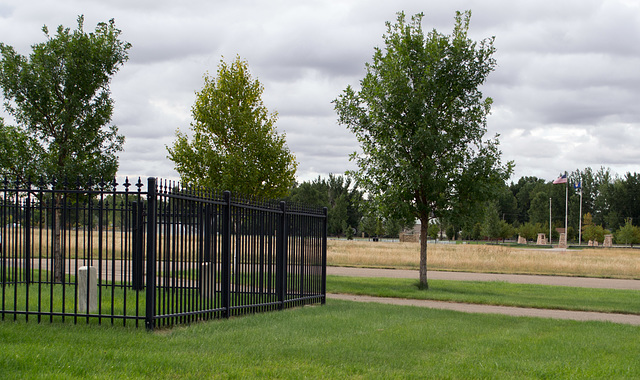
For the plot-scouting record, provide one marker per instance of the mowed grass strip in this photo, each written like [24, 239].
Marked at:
[493, 293]
[338, 340]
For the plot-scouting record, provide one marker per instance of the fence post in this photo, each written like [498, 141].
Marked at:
[152, 226]
[281, 255]
[226, 255]
[27, 234]
[324, 255]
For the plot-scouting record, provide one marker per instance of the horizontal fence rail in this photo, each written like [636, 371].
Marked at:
[154, 254]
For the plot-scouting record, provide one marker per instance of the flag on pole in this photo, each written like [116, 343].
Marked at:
[561, 179]
[577, 185]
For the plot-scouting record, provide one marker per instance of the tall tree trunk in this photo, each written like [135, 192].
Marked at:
[57, 239]
[424, 228]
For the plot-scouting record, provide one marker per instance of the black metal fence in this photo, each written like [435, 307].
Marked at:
[156, 254]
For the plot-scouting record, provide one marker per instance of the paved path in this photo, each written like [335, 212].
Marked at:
[490, 309]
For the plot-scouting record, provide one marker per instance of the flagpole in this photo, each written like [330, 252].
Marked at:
[549, 220]
[566, 209]
[563, 179]
[580, 218]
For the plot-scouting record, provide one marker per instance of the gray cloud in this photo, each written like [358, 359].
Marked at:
[565, 89]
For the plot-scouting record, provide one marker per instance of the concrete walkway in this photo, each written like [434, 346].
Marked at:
[490, 309]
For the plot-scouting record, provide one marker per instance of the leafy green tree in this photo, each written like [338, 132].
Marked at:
[433, 231]
[523, 191]
[342, 199]
[337, 218]
[530, 230]
[310, 193]
[450, 231]
[588, 185]
[506, 230]
[507, 204]
[604, 184]
[591, 231]
[594, 232]
[235, 145]
[491, 225]
[369, 223]
[60, 98]
[539, 208]
[420, 118]
[628, 234]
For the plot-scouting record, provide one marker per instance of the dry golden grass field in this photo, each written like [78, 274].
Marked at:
[589, 262]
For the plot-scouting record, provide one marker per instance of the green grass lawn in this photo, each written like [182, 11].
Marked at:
[338, 340]
[349, 340]
[493, 293]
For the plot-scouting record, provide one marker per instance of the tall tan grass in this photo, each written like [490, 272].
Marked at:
[614, 263]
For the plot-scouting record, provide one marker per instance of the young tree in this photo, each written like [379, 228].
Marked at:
[530, 230]
[491, 226]
[506, 230]
[433, 231]
[235, 145]
[60, 98]
[591, 231]
[628, 234]
[420, 119]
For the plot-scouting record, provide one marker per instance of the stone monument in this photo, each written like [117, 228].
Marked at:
[563, 241]
[542, 239]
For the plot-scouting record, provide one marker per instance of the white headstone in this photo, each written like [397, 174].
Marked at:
[87, 289]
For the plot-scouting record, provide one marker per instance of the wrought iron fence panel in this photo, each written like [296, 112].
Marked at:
[153, 253]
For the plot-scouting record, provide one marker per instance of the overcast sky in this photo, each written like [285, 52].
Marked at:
[566, 89]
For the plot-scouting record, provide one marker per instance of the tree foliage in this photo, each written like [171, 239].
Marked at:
[530, 230]
[337, 193]
[433, 230]
[591, 231]
[420, 118]
[60, 98]
[491, 226]
[20, 153]
[235, 145]
[628, 234]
